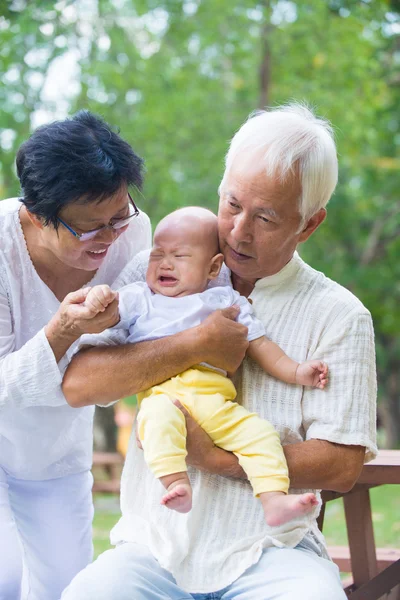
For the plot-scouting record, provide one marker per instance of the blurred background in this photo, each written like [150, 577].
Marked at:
[178, 77]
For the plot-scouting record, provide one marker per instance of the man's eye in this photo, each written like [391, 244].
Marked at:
[264, 219]
[233, 205]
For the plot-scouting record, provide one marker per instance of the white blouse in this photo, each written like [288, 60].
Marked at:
[41, 436]
[309, 316]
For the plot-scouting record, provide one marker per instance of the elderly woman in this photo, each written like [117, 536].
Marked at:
[75, 226]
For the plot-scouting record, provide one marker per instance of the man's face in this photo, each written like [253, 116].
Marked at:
[258, 219]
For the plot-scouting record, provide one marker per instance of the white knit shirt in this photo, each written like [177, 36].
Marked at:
[41, 436]
[309, 316]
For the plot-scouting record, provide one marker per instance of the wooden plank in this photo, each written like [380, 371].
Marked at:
[111, 486]
[380, 585]
[107, 458]
[341, 556]
[385, 468]
[360, 532]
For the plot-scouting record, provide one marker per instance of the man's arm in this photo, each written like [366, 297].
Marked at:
[101, 375]
[314, 464]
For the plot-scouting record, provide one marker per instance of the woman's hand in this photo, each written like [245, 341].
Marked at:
[223, 339]
[88, 310]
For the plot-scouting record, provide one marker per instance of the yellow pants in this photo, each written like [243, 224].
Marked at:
[208, 396]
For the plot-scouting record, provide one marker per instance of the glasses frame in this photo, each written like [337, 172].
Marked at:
[83, 237]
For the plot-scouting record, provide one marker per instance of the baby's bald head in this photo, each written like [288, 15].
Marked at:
[185, 254]
[196, 225]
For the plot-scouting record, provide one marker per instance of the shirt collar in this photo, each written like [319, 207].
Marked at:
[288, 271]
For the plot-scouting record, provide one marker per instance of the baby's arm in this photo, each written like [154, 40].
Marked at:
[312, 373]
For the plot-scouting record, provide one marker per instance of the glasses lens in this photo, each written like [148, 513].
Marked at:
[89, 235]
[123, 222]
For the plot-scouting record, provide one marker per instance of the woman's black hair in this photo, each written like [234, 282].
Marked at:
[80, 158]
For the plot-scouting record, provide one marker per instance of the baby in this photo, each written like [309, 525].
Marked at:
[184, 259]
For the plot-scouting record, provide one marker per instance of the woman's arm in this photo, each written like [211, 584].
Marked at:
[30, 376]
[102, 375]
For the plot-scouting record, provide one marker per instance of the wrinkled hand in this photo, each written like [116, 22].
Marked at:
[224, 340]
[312, 373]
[88, 310]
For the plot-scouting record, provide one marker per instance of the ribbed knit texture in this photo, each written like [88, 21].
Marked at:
[309, 316]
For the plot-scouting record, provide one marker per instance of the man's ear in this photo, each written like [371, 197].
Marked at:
[312, 224]
[35, 220]
[215, 266]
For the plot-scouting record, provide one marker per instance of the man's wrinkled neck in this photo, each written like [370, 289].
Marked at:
[246, 286]
[243, 286]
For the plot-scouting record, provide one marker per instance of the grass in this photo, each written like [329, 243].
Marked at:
[385, 502]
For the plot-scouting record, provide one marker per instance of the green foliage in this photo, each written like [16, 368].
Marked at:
[178, 77]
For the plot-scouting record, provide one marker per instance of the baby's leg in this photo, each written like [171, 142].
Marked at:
[256, 444]
[162, 431]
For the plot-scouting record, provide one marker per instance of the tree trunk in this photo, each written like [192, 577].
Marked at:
[265, 66]
[105, 430]
[389, 409]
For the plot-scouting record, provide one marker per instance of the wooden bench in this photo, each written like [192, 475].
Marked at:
[375, 572]
[107, 467]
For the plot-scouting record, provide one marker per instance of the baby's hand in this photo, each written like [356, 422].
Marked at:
[313, 373]
[99, 297]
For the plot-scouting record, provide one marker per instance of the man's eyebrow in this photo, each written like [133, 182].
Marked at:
[264, 209]
[270, 211]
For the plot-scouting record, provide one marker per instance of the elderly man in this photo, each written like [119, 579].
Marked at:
[281, 170]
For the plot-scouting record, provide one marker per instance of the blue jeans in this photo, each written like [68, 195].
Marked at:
[129, 572]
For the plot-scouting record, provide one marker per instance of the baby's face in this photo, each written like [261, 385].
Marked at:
[180, 263]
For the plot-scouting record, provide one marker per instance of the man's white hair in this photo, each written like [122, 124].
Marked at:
[293, 140]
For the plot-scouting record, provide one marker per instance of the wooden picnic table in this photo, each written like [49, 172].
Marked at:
[375, 572]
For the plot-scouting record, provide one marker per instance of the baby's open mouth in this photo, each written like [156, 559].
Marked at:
[164, 279]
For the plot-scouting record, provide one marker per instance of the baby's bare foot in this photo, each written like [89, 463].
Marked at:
[178, 497]
[280, 508]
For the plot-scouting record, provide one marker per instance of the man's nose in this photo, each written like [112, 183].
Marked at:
[241, 231]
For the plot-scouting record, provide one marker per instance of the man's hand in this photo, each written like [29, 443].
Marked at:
[224, 340]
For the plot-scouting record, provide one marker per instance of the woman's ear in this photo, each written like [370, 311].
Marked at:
[34, 219]
[215, 266]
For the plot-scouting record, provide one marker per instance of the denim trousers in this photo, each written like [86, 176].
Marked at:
[130, 572]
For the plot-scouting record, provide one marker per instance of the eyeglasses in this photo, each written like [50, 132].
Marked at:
[115, 224]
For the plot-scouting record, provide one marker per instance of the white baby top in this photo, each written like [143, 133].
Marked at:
[308, 316]
[146, 316]
[41, 436]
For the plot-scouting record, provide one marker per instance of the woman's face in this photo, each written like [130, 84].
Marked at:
[88, 255]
